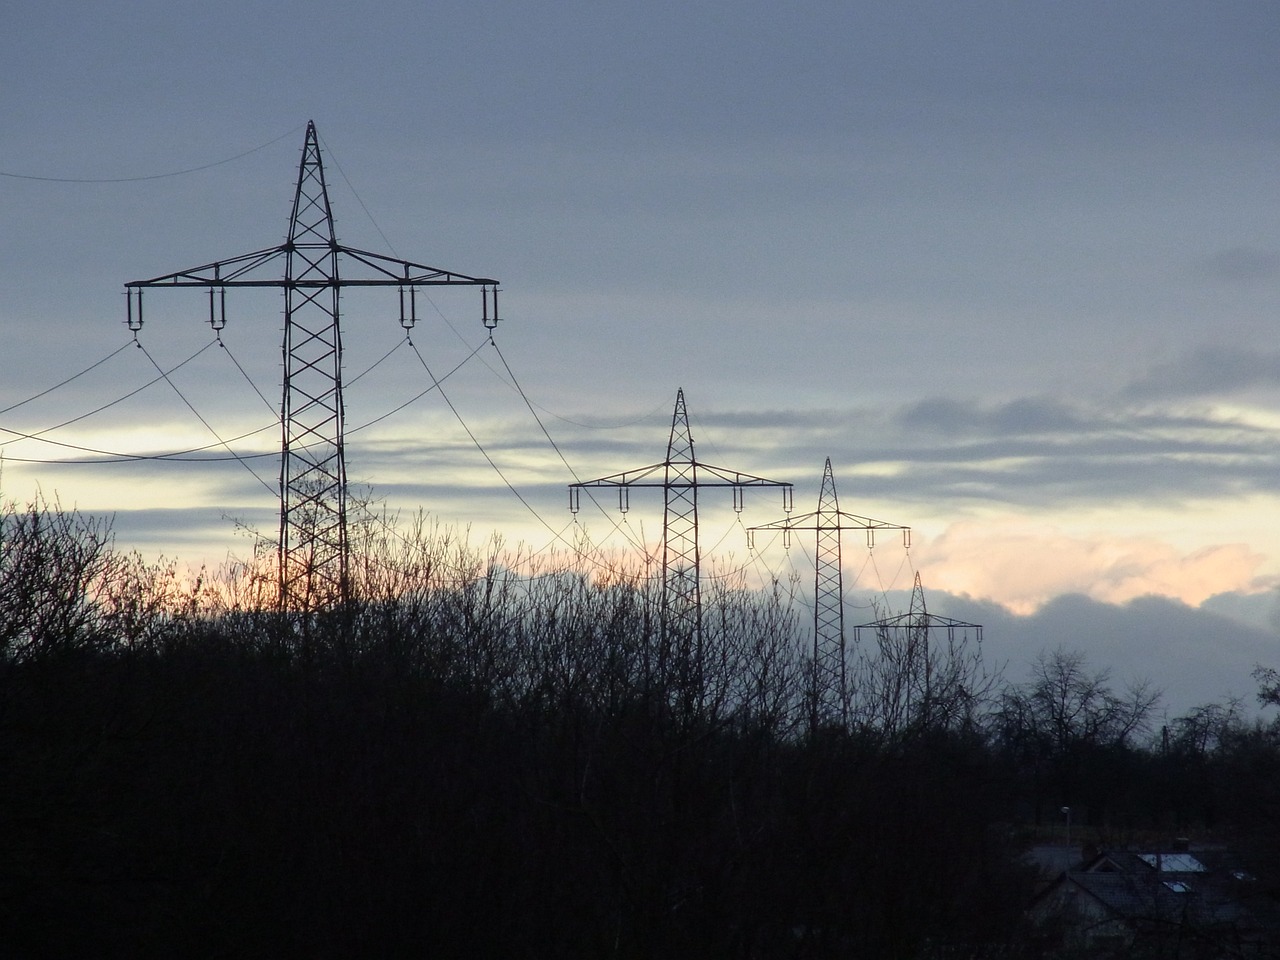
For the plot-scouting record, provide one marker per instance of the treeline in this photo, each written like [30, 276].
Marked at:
[478, 759]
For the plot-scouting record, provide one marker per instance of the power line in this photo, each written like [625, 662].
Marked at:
[114, 456]
[74, 376]
[208, 425]
[435, 384]
[152, 176]
[479, 446]
[39, 435]
[104, 456]
[248, 379]
[554, 446]
[351, 186]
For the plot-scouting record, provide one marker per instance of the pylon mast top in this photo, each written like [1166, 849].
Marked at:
[682, 468]
[378, 270]
[723, 477]
[829, 516]
[919, 617]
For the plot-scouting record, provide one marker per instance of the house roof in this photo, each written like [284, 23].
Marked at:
[1205, 890]
[1129, 897]
[1172, 862]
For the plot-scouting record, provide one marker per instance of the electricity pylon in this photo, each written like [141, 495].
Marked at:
[830, 670]
[313, 555]
[927, 652]
[918, 623]
[680, 476]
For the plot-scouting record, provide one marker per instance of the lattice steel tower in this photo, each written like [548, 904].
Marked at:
[921, 643]
[680, 476]
[829, 696]
[313, 549]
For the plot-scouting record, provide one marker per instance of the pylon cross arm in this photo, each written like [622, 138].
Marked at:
[408, 272]
[916, 619]
[220, 273]
[386, 272]
[866, 523]
[627, 478]
[733, 478]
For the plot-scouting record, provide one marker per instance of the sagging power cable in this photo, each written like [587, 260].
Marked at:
[515, 383]
[75, 376]
[479, 446]
[152, 176]
[241, 460]
[39, 434]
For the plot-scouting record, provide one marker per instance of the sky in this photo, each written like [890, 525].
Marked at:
[1013, 267]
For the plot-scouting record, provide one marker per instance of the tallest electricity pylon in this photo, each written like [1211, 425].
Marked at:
[313, 549]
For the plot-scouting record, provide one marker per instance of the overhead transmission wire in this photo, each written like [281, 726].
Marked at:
[715, 452]
[248, 379]
[115, 456]
[435, 384]
[110, 456]
[385, 239]
[163, 374]
[622, 528]
[556, 447]
[558, 535]
[75, 376]
[618, 425]
[478, 445]
[152, 176]
[181, 456]
[40, 434]
[181, 396]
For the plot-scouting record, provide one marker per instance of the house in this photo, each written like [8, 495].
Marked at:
[1176, 903]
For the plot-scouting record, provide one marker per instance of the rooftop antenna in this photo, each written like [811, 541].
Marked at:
[829, 693]
[680, 476]
[313, 554]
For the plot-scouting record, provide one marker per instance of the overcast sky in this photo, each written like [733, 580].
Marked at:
[1014, 267]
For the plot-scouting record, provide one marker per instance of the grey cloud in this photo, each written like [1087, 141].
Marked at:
[1195, 655]
[1034, 452]
[1027, 414]
[1041, 452]
[1240, 265]
[1260, 610]
[1208, 371]
[183, 533]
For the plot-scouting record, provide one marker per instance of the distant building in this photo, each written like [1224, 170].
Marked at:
[1175, 903]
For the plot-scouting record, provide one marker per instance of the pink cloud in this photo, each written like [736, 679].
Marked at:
[1023, 565]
